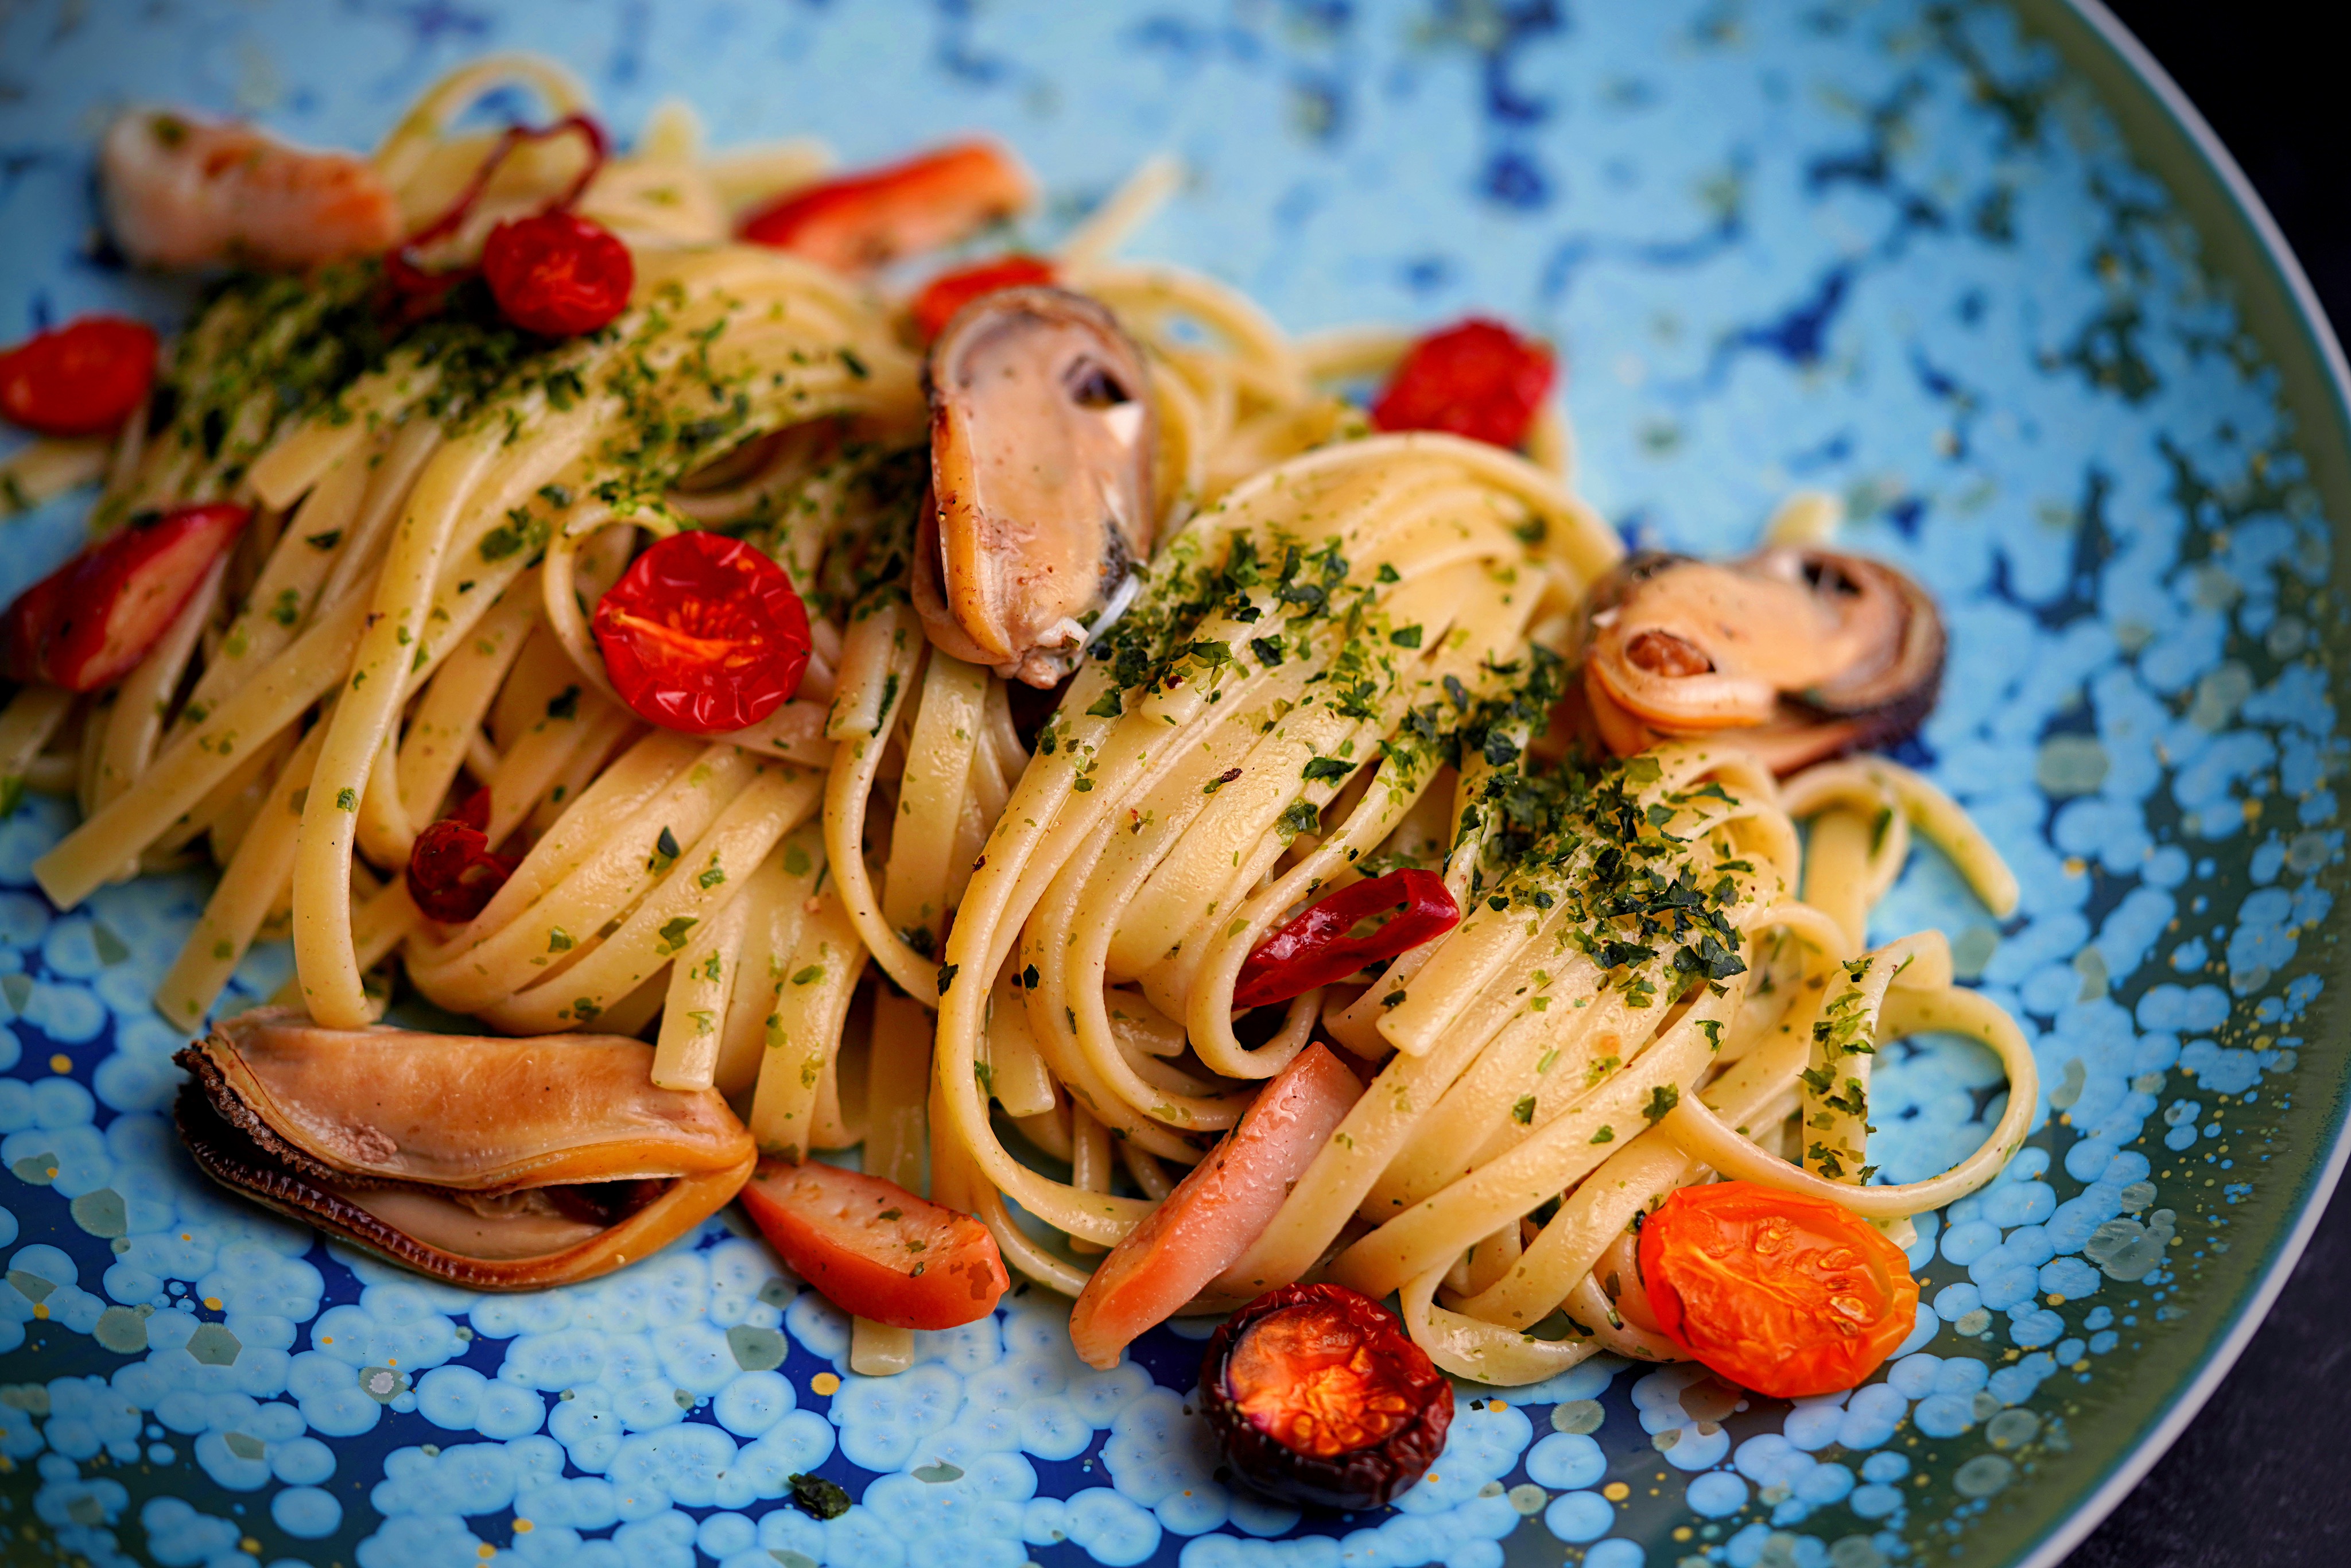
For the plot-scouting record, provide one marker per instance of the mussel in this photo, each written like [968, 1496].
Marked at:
[1793, 653]
[1042, 440]
[498, 1164]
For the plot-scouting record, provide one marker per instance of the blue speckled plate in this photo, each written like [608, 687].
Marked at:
[1977, 269]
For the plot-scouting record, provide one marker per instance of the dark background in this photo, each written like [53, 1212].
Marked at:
[2258, 1478]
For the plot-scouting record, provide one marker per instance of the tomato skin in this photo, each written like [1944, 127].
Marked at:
[1476, 379]
[865, 221]
[949, 292]
[1784, 1293]
[1315, 948]
[558, 274]
[704, 633]
[873, 1249]
[83, 378]
[89, 623]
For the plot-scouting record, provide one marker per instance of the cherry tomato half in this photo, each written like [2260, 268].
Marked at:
[1783, 1293]
[704, 633]
[89, 623]
[949, 292]
[452, 873]
[1315, 949]
[865, 221]
[1478, 379]
[80, 379]
[873, 1249]
[558, 274]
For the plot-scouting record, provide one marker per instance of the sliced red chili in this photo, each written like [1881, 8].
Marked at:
[1319, 1396]
[452, 873]
[865, 221]
[81, 378]
[1478, 379]
[704, 633]
[949, 292]
[558, 274]
[89, 623]
[1315, 949]
[422, 289]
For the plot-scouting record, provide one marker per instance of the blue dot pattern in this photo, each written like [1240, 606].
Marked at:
[1895, 252]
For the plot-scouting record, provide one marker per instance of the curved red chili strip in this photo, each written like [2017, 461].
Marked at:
[1315, 949]
[410, 280]
[452, 873]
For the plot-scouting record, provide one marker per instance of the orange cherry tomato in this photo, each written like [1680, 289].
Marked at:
[1785, 1294]
[873, 1249]
[1476, 379]
[864, 221]
[80, 379]
[949, 292]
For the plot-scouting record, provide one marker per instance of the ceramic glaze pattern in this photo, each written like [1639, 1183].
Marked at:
[1891, 250]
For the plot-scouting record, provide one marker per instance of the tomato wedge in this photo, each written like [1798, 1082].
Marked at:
[81, 378]
[866, 221]
[88, 623]
[1209, 1220]
[704, 633]
[949, 292]
[1315, 949]
[1478, 379]
[873, 1249]
[1783, 1293]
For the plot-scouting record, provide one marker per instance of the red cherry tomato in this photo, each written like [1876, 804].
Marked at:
[88, 623]
[865, 221]
[1478, 379]
[1315, 949]
[452, 873]
[80, 379]
[558, 274]
[949, 292]
[873, 1249]
[703, 633]
[1783, 1293]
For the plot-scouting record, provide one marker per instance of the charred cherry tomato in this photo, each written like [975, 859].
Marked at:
[88, 623]
[1785, 1294]
[558, 275]
[452, 873]
[949, 292]
[1315, 949]
[81, 378]
[866, 221]
[873, 1249]
[703, 633]
[1319, 1396]
[1480, 380]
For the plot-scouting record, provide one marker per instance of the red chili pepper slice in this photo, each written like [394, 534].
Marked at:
[949, 292]
[704, 633]
[1478, 379]
[89, 623]
[866, 221]
[452, 873]
[1319, 1396]
[81, 378]
[558, 274]
[1315, 949]
[424, 288]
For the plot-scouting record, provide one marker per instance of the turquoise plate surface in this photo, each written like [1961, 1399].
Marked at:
[1977, 269]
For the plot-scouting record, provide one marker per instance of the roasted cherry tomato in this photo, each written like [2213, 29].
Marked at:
[88, 623]
[558, 274]
[81, 378]
[1478, 379]
[865, 221]
[873, 1249]
[452, 873]
[1315, 949]
[1783, 1293]
[949, 292]
[703, 633]
[417, 290]
[1319, 1396]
